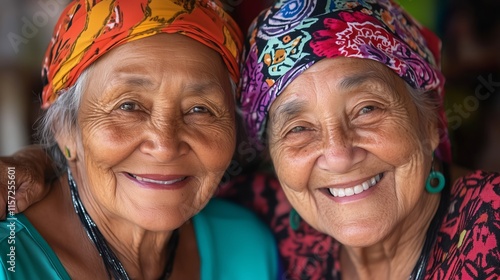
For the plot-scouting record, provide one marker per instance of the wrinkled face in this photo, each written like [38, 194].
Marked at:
[350, 151]
[157, 131]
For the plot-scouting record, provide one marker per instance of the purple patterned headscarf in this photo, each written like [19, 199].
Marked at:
[292, 35]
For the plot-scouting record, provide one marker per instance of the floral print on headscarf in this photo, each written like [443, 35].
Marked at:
[292, 35]
[88, 29]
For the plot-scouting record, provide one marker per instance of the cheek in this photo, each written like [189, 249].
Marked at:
[107, 141]
[394, 142]
[399, 144]
[293, 165]
[214, 144]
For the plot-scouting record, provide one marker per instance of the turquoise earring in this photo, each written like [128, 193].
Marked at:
[294, 219]
[433, 177]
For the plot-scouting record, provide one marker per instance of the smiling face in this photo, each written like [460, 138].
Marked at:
[351, 152]
[156, 131]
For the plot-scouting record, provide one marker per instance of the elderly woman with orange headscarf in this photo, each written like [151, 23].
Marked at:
[347, 98]
[139, 99]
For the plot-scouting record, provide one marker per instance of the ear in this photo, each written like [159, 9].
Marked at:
[433, 135]
[67, 145]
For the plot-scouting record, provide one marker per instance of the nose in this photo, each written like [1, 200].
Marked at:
[339, 153]
[164, 142]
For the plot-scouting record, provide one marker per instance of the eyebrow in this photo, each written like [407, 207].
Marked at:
[356, 80]
[208, 86]
[287, 111]
[137, 82]
[119, 81]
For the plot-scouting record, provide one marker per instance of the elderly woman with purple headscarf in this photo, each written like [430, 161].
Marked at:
[347, 96]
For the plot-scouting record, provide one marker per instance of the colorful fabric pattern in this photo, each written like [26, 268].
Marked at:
[292, 35]
[88, 29]
[467, 245]
[469, 239]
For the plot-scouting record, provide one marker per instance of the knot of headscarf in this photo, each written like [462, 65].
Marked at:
[292, 35]
[87, 30]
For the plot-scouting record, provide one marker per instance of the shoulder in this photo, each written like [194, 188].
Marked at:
[475, 201]
[25, 254]
[9, 230]
[479, 178]
[224, 216]
[469, 236]
[479, 187]
[234, 244]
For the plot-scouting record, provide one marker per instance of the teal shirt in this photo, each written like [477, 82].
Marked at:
[233, 244]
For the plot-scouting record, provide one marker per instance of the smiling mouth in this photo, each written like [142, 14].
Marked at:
[341, 192]
[160, 182]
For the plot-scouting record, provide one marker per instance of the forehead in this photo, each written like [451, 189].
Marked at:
[345, 73]
[173, 53]
[158, 60]
[340, 74]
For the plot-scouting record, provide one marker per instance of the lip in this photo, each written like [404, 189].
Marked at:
[353, 196]
[158, 181]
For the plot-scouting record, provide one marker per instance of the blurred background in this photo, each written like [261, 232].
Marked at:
[469, 29]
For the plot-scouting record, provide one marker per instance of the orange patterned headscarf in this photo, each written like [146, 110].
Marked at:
[88, 29]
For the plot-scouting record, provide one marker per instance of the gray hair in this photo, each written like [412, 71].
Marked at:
[427, 104]
[61, 118]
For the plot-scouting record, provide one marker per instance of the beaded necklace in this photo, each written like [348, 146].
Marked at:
[113, 265]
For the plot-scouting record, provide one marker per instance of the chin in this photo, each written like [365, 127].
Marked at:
[357, 235]
[161, 222]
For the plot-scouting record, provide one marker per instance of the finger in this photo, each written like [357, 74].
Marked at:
[22, 197]
[28, 194]
[21, 201]
[3, 199]
[28, 189]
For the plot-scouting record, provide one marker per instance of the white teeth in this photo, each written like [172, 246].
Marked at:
[349, 191]
[157, 181]
[336, 192]
[358, 189]
[341, 192]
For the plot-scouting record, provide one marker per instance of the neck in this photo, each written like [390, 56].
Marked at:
[143, 254]
[396, 256]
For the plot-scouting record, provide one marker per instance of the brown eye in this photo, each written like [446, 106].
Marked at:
[199, 110]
